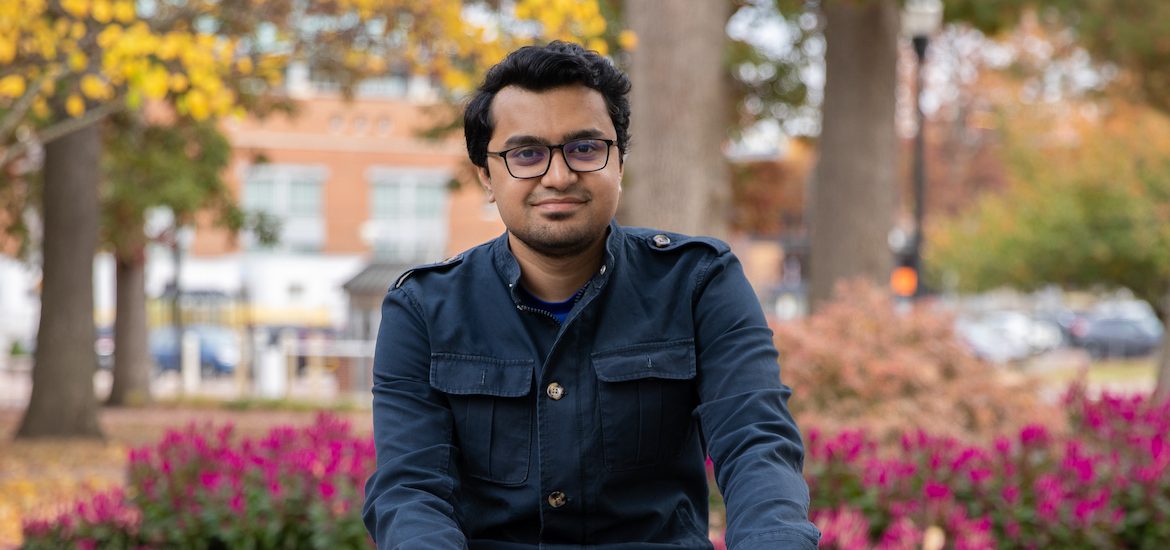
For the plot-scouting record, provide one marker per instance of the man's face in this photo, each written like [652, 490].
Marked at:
[562, 212]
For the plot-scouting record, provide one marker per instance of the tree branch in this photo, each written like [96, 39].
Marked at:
[69, 126]
[21, 106]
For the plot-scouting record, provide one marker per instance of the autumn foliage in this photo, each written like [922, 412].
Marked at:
[861, 362]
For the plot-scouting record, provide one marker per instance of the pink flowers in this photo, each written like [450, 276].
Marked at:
[200, 487]
[1105, 484]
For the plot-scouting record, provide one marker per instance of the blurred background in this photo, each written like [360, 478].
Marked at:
[255, 179]
[208, 200]
[1006, 161]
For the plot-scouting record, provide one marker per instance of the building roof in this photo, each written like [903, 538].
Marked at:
[375, 278]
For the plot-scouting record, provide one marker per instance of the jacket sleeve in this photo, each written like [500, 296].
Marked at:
[751, 437]
[409, 500]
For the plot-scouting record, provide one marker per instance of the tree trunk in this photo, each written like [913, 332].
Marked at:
[63, 403]
[132, 363]
[677, 178]
[1162, 385]
[853, 196]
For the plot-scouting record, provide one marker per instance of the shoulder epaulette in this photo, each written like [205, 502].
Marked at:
[666, 242]
[449, 262]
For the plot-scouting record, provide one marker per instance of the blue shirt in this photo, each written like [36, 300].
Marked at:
[498, 428]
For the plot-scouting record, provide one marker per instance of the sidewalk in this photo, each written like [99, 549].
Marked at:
[322, 387]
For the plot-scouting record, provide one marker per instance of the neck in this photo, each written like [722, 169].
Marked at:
[555, 279]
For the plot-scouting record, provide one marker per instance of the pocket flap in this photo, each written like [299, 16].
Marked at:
[477, 375]
[673, 360]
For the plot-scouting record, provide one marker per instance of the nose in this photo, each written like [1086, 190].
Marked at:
[558, 175]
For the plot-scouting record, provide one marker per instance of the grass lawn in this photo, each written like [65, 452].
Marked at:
[1136, 374]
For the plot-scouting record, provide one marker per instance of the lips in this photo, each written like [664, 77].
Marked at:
[558, 204]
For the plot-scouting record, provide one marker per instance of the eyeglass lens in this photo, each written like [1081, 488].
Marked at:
[584, 155]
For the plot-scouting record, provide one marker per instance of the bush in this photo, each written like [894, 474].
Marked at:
[1106, 485]
[861, 363]
[294, 488]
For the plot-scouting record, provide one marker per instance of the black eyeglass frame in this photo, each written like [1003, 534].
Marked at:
[609, 143]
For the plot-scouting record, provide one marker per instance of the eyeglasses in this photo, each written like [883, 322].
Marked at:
[533, 161]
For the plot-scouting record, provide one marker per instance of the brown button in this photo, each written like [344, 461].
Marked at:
[556, 499]
[555, 391]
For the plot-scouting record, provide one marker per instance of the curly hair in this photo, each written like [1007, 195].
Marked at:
[539, 68]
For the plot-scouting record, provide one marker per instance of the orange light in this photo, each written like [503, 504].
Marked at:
[904, 281]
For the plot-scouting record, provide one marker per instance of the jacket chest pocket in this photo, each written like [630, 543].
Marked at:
[646, 395]
[490, 401]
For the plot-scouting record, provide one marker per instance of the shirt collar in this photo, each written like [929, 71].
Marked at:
[509, 269]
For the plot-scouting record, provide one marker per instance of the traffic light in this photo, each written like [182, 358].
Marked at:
[904, 281]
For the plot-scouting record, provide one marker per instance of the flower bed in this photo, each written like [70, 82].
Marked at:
[1105, 484]
[200, 488]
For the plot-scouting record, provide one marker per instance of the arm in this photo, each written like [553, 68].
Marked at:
[751, 437]
[409, 502]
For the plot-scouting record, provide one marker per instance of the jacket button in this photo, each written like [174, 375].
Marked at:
[661, 241]
[556, 499]
[555, 391]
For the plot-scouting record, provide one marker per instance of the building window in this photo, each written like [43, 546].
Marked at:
[408, 214]
[292, 193]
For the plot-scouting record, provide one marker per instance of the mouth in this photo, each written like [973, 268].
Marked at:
[558, 204]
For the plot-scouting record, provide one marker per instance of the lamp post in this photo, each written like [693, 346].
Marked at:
[920, 19]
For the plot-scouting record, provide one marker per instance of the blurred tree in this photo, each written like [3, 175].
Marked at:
[1118, 203]
[71, 63]
[178, 166]
[1088, 206]
[853, 193]
[677, 177]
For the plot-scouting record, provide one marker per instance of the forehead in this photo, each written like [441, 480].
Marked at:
[549, 114]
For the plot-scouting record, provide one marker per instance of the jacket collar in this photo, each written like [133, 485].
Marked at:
[509, 269]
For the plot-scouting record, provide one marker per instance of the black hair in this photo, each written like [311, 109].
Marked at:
[539, 68]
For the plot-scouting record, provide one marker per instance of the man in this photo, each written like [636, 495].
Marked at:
[561, 386]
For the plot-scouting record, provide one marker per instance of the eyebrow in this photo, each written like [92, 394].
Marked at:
[517, 141]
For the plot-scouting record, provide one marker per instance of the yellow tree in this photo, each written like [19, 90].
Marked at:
[68, 64]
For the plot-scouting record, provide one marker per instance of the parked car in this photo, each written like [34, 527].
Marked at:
[219, 348]
[1111, 336]
[1005, 336]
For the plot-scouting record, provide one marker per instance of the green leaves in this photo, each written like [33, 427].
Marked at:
[1094, 211]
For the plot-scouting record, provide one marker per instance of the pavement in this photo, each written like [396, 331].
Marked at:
[319, 387]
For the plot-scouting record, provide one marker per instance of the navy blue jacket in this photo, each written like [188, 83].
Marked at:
[499, 429]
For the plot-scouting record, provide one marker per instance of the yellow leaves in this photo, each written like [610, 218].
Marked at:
[103, 11]
[78, 62]
[74, 105]
[95, 88]
[124, 11]
[170, 46]
[179, 83]
[7, 51]
[628, 40]
[598, 45]
[196, 105]
[12, 86]
[77, 8]
[457, 80]
[244, 65]
[155, 82]
[109, 36]
[77, 31]
[40, 108]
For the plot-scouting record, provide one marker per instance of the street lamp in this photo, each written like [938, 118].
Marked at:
[920, 19]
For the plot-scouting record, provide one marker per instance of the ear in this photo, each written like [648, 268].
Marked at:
[485, 181]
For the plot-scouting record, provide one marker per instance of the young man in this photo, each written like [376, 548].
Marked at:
[562, 385]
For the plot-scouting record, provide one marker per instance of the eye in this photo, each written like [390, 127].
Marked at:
[528, 156]
[585, 149]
